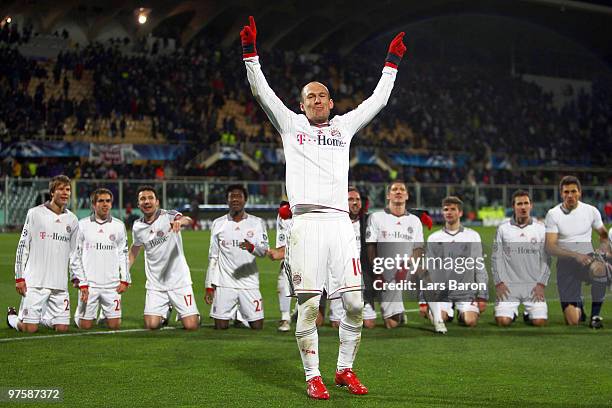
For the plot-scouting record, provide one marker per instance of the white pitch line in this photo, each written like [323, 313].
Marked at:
[54, 336]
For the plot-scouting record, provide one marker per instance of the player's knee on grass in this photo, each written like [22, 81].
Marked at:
[538, 322]
[503, 321]
[393, 321]
[28, 327]
[257, 324]
[445, 316]
[572, 315]
[470, 319]
[221, 324]
[61, 328]
[191, 322]
[85, 324]
[320, 319]
[152, 322]
[369, 324]
[113, 324]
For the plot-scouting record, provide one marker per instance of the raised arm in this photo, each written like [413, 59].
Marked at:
[277, 112]
[362, 115]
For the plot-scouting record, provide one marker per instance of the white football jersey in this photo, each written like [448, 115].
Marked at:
[574, 227]
[317, 156]
[518, 254]
[101, 260]
[386, 227]
[463, 243]
[236, 267]
[282, 231]
[43, 252]
[165, 264]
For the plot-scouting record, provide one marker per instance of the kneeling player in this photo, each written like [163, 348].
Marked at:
[100, 263]
[168, 276]
[232, 278]
[456, 243]
[391, 233]
[520, 265]
[41, 265]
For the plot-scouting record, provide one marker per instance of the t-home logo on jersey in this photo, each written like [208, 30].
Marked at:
[157, 241]
[322, 140]
[55, 236]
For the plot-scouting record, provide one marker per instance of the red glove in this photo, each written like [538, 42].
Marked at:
[426, 220]
[396, 51]
[284, 211]
[247, 37]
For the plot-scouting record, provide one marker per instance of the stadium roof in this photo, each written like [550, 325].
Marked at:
[306, 26]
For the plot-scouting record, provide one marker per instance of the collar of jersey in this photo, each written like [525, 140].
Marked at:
[320, 125]
[461, 229]
[565, 210]
[154, 217]
[388, 211]
[48, 205]
[516, 224]
[244, 216]
[92, 218]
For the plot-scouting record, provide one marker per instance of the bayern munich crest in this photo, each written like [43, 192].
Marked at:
[111, 237]
[250, 234]
[410, 230]
[160, 233]
[297, 279]
[68, 229]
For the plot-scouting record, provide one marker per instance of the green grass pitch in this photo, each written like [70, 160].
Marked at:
[520, 366]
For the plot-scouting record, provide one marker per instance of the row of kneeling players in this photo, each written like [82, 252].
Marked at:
[96, 252]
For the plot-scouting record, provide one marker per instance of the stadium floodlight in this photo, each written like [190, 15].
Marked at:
[8, 19]
[142, 14]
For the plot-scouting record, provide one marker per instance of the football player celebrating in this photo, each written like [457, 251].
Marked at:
[168, 276]
[322, 253]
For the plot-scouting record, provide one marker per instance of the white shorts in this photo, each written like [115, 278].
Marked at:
[249, 302]
[322, 254]
[182, 299]
[108, 299]
[536, 310]
[336, 310]
[391, 303]
[462, 307]
[368, 312]
[51, 305]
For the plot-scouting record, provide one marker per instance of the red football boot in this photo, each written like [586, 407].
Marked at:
[348, 378]
[316, 389]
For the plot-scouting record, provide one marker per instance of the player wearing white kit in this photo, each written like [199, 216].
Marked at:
[456, 242]
[283, 224]
[41, 265]
[232, 278]
[569, 227]
[100, 263]
[390, 233]
[168, 276]
[322, 251]
[520, 265]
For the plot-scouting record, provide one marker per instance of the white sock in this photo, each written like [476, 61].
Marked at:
[436, 312]
[13, 320]
[350, 329]
[307, 336]
[285, 316]
[77, 321]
